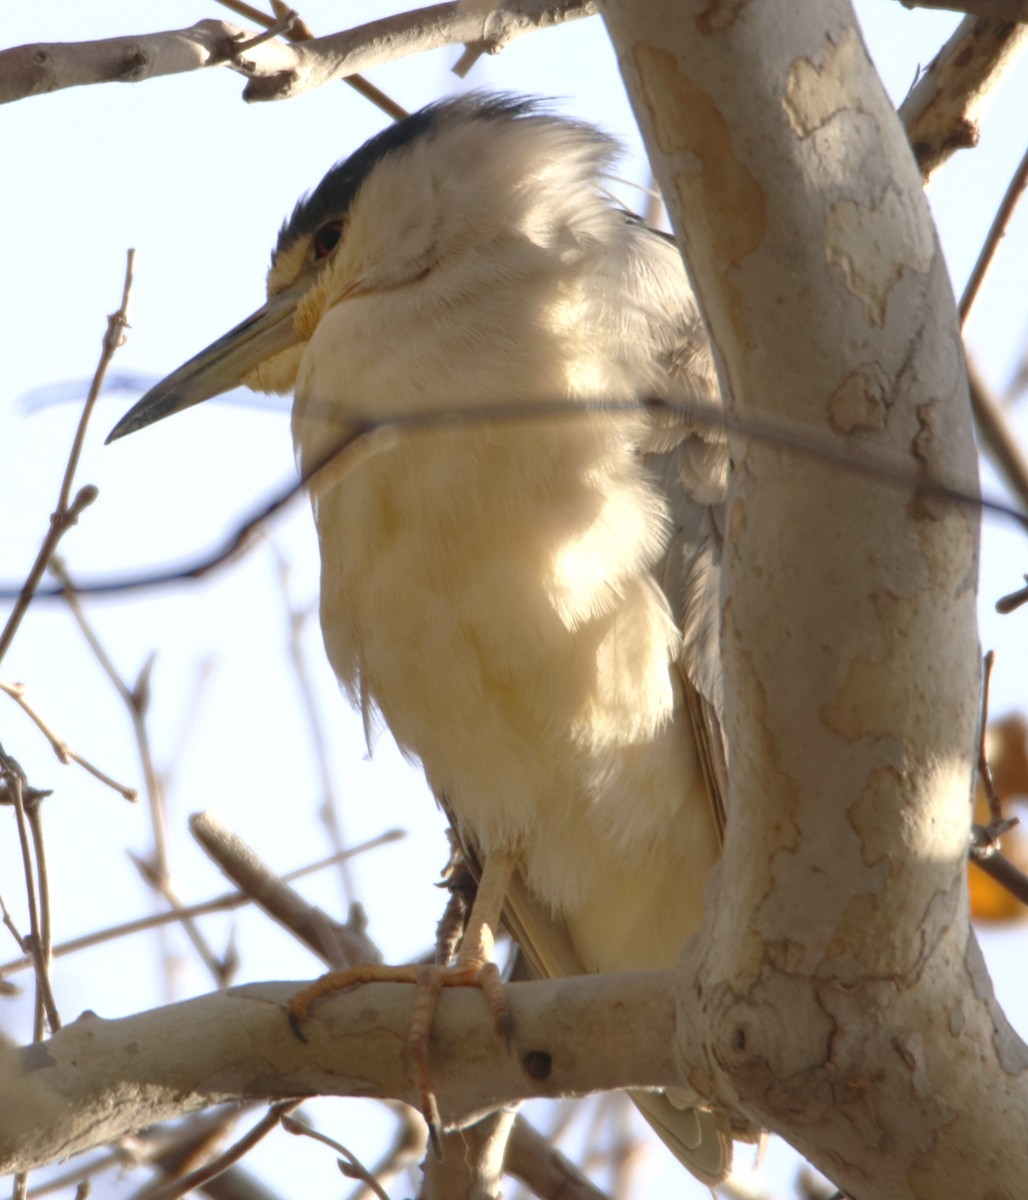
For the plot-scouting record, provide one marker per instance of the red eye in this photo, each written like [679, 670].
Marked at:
[327, 238]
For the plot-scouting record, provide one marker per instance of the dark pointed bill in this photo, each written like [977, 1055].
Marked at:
[220, 367]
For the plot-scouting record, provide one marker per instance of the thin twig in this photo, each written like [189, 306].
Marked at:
[985, 839]
[60, 523]
[1013, 601]
[8, 920]
[224, 903]
[195, 1179]
[997, 438]
[408, 1146]
[45, 1006]
[164, 1147]
[985, 854]
[992, 239]
[300, 32]
[60, 747]
[34, 812]
[281, 27]
[368, 438]
[324, 60]
[157, 871]
[160, 881]
[984, 770]
[68, 510]
[246, 11]
[353, 1168]
[137, 700]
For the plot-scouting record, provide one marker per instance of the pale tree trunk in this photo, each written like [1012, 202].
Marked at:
[836, 993]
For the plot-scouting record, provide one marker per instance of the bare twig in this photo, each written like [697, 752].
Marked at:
[223, 903]
[408, 1146]
[997, 438]
[8, 920]
[367, 438]
[247, 11]
[301, 32]
[167, 1148]
[1014, 600]
[281, 27]
[353, 1168]
[60, 747]
[996, 231]
[984, 770]
[195, 1179]
[941, 112]
[219, 968]
[13, 780]
[313, 64]
[137, 700]
[68, 510]
[339, 945]
[984, 850]
[33, 812]
[985, 853]
[157, 871]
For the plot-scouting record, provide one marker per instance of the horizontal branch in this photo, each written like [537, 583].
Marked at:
[98, 1080]
[52, 66]
[276, 70]
[323, 60]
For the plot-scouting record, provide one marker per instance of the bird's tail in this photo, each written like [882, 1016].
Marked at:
[700, 1138]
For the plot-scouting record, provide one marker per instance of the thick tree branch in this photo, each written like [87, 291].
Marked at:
[97, 1080]
[999, 10]
[49, 67]
[482, 26]
[942, 111]
[277, 70]
[842, 989]
[472, 1162]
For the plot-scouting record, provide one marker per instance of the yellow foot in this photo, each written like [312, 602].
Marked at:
[429, 981]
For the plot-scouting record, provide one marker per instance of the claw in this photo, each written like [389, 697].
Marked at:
[295, 1027]
[429, 982]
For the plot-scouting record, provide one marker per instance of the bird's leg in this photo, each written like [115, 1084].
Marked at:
[474, 967]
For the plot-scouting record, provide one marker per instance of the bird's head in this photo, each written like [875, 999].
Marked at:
[423, 204]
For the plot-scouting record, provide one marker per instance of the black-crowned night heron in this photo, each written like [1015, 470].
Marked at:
[531, 602]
